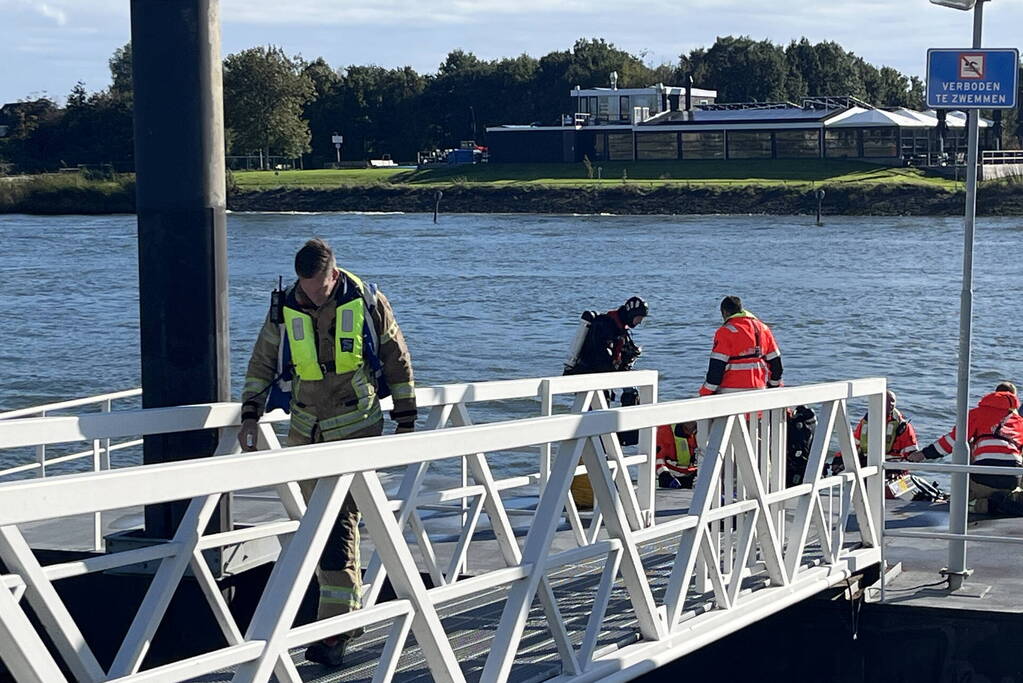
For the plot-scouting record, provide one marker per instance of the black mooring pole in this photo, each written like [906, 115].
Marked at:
[180, 199]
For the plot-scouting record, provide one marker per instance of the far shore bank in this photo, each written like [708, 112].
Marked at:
[1000, 199]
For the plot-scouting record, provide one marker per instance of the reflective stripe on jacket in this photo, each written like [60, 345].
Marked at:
[675, 454]
[899, 436]
[994, 431]
[745, 356]
[342, 402]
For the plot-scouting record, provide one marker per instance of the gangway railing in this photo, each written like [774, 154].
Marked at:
[101, 448]
[444, 406]
[759, 545]
[954, 503]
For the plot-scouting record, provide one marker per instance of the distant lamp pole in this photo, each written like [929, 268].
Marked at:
[337, 140]
[959, 501]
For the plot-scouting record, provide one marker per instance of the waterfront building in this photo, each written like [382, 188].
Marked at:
[672, 123]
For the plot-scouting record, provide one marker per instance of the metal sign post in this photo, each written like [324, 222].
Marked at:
[968, 79]
[338, 140]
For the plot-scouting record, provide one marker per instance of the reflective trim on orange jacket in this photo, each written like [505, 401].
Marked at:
[745, 356]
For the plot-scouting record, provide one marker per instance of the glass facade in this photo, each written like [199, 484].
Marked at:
[841, 142]
[703, 145]
[881, 142]
[656, 146]
[749, 145]
[624, 110]
[599, 147]
[619, 146]
[797, 144]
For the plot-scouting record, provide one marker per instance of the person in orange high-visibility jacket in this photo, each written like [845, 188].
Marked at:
[745, 355]
[676, 457]
[899, 436]
[995, 437]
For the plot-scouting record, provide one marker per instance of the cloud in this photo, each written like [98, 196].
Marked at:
[49, 11]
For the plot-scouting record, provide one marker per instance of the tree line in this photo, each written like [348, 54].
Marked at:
[285, 105]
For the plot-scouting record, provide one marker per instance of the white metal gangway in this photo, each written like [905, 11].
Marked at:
[748, 546]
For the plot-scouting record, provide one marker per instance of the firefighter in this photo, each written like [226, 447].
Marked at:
[995, 437]
[335, 338]
[604, 341]
[745, 355]
[899, 435]
[676, 455]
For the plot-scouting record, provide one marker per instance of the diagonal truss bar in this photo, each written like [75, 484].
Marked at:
[21, 649]
[537, 549]
[426, 550]
[744, 545]
[596, 621]
[165, 582]
[479, 469]
[713, 559]
[613, 448]
[408, 585]
[864, 514]
[48, 607]
[651, 624]
[388, 662]
[749, 474]
[277, 607]
[804, 507]
[703, 499]
[408, 490]
[461, 550]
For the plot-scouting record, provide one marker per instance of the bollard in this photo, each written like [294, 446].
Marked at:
[436, 206]
[820, 200]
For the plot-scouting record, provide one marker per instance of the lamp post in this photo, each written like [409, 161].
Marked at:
[959, 501]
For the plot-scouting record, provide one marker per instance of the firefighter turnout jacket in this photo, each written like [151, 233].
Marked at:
[342, 355]
[745, 356]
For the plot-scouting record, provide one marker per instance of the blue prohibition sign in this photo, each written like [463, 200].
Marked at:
[972, 79]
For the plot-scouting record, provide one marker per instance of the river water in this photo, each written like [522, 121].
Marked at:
[484, 297]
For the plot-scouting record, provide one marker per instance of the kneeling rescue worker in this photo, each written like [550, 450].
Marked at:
[676, 455]
[332, 341]
[745, 355]
[995, 437]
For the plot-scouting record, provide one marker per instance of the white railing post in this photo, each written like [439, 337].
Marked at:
[107, 407]
[41, 454]
[876, 422]
[97, 517]
[546, 452]
[648, 468]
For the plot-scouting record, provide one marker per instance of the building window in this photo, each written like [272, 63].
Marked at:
[797, 144]
[914, 142]
[602, 108]
[600, 147]
[623, 108]
[839, 143]
[656, 146]
[880, 142]
[749, 145]
[582, 105]
[619, 146]
[708, 145]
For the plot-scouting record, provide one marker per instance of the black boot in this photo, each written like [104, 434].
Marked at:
[329, 652]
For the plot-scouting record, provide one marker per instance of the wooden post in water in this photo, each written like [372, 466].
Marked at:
[181, 201]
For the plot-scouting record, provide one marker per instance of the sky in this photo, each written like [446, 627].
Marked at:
[46, 46]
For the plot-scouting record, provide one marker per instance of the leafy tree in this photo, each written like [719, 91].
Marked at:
[120, 74]
[264, 93]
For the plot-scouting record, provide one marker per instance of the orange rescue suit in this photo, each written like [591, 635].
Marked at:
[745, 356]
